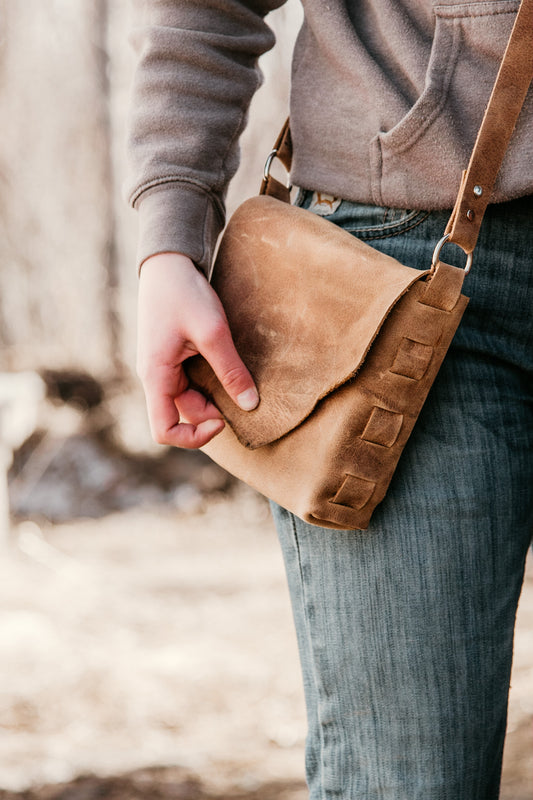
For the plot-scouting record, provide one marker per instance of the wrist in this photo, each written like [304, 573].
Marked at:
[160, 262]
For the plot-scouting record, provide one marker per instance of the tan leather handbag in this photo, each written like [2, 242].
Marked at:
[343, 341]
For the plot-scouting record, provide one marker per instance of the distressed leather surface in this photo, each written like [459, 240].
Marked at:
[335, 468]
[305, 301]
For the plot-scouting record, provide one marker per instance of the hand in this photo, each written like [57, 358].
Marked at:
[180, 316]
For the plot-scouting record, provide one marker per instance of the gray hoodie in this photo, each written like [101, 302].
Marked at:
[386, 100]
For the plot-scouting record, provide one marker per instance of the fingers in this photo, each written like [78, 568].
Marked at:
[195, 408]
[192, 437]
[198, 423]
[180, 316]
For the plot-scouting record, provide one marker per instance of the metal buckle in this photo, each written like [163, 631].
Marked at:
[438, 248]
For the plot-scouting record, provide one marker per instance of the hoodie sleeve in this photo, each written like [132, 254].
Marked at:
[196, 75]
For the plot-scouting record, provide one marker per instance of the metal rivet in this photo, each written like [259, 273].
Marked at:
[478, 190]
[470, 214]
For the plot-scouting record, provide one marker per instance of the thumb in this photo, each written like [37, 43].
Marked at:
[231, 371]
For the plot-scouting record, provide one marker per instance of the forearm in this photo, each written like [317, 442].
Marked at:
[196, 75]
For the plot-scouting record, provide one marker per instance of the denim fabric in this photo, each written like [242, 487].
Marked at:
[406, 630]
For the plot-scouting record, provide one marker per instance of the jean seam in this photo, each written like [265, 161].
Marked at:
[392, 224]
[308, 624]
[397, 232]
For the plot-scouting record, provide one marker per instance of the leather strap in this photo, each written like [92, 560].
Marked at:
[506, 100]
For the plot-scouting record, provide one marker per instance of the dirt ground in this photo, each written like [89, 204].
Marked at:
[150, 653]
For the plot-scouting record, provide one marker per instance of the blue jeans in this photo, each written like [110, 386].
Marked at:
[405, 630]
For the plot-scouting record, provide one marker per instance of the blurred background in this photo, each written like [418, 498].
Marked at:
[146, 642]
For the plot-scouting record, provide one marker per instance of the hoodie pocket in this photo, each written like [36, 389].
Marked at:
[439, 130]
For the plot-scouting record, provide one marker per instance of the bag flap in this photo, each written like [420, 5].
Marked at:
[304, 301]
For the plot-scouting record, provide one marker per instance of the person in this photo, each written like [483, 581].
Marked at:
[405, 630]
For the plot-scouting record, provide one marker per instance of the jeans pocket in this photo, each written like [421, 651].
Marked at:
[367, 222]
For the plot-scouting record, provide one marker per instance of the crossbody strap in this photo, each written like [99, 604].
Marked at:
[506, 100]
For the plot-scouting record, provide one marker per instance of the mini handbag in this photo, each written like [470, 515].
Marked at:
[343, 342]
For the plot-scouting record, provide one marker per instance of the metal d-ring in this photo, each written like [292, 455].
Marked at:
[438, 248]
[268, 163]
